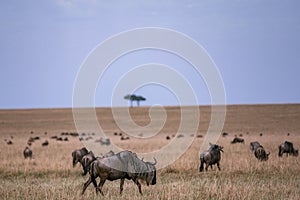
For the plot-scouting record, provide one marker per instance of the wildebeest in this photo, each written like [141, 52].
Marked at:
[86, 161]
[27, 153]
[123, 165]
[261, 154]
[224, 134]
[254, 145]
[237, 140]
[210, 157]
[259, 151]
[45, 143]
[9, 142]
[288, 148]
[124, 138]
[78, 154]
[104, 141]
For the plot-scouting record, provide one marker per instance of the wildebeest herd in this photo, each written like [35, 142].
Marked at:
[126, 164]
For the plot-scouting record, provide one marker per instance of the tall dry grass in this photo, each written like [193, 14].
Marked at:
[50, 174]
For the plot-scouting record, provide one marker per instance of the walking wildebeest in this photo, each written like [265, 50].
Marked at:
[210, 157]
[86, 161]
[77, 156]
[123, 165]
[237, 140]
[288, 148]
[27, 153]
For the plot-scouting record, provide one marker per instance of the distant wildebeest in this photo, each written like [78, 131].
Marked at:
[66, 139]
[210, 157]
[224, 134]
[31, 140]
[77, 156]
[261, 134]
[45, 143]
[237, 140]
[74, 134]
[123, 165]
[288, 148]
[54, 137]
[103, 141]
[27, 153]
[36, 138]
[124, 138]
[9, 142]
[86, 161]
[168, 137]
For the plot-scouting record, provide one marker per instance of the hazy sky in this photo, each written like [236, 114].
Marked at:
[255, 45]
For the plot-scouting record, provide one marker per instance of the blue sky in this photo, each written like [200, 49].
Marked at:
[255, 45]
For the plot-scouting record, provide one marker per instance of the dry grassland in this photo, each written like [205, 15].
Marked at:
[50, 174]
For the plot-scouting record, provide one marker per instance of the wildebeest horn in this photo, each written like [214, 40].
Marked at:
[154, 163]
[221, 148]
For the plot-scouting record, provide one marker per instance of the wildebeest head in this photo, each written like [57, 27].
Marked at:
[151, 174]
[215, 147]
[78, 154]
[296, 152]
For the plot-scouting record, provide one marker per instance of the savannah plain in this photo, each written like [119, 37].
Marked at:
[50, 175]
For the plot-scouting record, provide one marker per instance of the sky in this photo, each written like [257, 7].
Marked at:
[254, 44]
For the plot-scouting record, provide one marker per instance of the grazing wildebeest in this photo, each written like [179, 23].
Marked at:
[27, 153]
[45, 143]
[86, 161]
[288, 148]
[261, 154]
[254, 145]
[259, 151]
[237, 140]
[78, 154]
[210, 157]
[123, 165]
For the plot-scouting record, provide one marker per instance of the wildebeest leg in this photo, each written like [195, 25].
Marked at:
[121, 185]
[138, 184]
[74, 162]
[102, 181]
[83, 168]
[218, 164]
[86, 184]
[206, 167]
